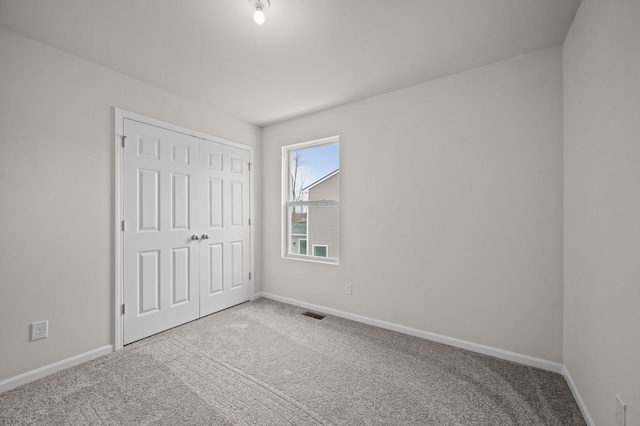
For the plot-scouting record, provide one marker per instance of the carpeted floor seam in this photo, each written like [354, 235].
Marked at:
[198, 358]
[370, 346]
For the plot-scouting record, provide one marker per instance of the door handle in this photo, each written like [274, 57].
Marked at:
[195, 237]
[205, 236]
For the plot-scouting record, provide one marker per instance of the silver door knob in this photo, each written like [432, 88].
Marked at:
[205, 236]
[195, 237]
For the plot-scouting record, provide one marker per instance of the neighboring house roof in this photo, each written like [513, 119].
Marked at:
[319, 181]
[299, 228]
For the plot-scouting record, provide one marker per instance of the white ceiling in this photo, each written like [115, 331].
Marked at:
[308, 56]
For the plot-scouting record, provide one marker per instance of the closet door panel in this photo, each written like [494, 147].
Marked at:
[228, 229]
[160, 260]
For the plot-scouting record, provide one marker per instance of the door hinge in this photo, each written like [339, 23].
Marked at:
[249, 275]
[249, 221]
[124, 309]
[123, 137]
[123, 225]
[249, 166]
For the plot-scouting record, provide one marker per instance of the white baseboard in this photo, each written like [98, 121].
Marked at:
[577, 397]
[474, 347]
[41, 372]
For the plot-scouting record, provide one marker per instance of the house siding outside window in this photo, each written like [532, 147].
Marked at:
[322, 221]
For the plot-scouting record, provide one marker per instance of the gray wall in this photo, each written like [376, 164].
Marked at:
[451, 207]
[602, 206]
[57, 195]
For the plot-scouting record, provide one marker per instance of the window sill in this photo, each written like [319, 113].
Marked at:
[326, 261]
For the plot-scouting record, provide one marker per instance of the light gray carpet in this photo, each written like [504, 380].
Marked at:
[263, 363]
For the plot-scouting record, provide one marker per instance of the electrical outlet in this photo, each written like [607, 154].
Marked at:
[39, 330]
[621, 412]
[347, 288]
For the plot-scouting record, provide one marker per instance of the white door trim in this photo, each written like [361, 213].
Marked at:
[120, 116]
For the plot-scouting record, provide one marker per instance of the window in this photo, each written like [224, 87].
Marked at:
[320, 251]
[311, 200]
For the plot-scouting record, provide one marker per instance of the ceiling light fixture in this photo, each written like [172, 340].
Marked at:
[258, 15]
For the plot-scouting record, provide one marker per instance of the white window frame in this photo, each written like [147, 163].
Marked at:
[326, 247]
[287, 252]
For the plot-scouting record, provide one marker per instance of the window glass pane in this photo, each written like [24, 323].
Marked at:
[308, 170]
[315, 226]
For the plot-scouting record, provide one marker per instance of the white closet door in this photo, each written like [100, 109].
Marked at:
[161, 260]
[225, 255]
